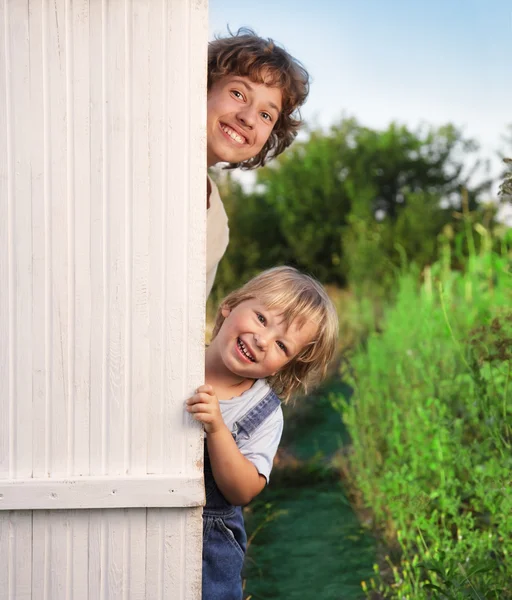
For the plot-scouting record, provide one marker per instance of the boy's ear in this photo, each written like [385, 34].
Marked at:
[225, 310]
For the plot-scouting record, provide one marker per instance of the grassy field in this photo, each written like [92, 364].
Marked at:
[431, 428]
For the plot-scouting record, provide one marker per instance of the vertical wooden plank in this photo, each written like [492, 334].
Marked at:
[40, 554]
[117, 215]
[21, 243]
[196, 250]
[196, 258]
[157, 157]
[174, 559]
[19, 554]
[58, 555]
[79, 553]
[192, 540]
[95, 555]
[4, 551]
[79, 100]
[138, 166]
[57, 228]
[136, 559]
[70, 350]
[40, 194]
[116, 554]
[16, 290]
[155, 554]
[100, 258]
[177, 241]
[6, 201]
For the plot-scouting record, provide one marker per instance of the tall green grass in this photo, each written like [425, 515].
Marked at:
[431, 426]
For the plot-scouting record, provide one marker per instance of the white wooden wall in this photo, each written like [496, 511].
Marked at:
[102, 235]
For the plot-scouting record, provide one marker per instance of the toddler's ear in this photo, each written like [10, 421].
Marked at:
[225, 311]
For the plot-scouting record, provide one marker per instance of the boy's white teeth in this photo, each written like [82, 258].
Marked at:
[244, 350]
[233, 134]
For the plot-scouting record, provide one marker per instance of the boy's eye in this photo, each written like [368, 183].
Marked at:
[260, 318]
[237, 94]
[266, 116]
[282, 346]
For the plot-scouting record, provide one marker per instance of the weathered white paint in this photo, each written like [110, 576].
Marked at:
[156, 491]
[102, 231]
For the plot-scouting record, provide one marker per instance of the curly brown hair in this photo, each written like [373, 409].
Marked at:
[247, 55]
[298, 296]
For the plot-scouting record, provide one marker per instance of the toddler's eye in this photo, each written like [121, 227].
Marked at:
[266, 116]
[282, 346]
[237, 94]
[260, 318]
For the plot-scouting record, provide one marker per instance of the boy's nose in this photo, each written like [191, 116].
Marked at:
[260, 341]
[247, 117]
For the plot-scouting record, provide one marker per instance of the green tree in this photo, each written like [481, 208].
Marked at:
[392, 182]
[256, 242]
[348, 203]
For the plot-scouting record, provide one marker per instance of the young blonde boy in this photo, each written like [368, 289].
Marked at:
[255, 90]
[274, 336]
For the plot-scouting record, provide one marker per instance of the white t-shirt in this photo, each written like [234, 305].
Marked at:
[217, 235]
[262, 446]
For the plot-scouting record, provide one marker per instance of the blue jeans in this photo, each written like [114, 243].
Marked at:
[224, 545]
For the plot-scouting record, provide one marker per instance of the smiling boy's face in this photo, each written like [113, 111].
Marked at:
[256, 342]
[241, 115]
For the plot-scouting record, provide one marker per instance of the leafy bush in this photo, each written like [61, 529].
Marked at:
[431, 427]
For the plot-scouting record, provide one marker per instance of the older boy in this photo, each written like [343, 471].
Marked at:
[255, 89]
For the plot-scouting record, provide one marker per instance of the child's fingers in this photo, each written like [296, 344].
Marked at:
[207, 389]
[205, 418]
[204, 407]
[200, 397]
[200, 408]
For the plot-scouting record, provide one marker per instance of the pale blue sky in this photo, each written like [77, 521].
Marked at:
[413, 61]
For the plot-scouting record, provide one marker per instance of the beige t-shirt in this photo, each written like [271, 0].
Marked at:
[217, 235]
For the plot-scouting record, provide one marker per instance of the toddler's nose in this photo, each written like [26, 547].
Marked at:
[260, 341]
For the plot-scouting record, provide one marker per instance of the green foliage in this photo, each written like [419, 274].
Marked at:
[256, 242]
[456, 580]
[348, 204]
[431, 425]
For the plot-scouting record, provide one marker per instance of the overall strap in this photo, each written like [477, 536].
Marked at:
[258, 413]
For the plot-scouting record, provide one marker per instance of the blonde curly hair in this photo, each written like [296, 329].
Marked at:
[300, 297]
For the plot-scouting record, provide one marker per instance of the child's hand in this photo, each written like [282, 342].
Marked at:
[204, 407]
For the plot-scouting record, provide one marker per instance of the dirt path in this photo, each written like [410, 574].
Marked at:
[307, 543]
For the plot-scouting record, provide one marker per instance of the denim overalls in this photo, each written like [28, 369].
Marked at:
[224, 537]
